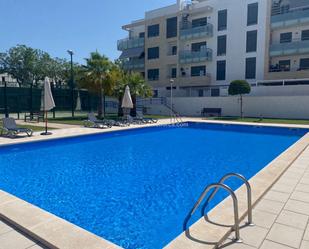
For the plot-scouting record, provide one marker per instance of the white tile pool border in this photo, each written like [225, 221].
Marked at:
[56, 232]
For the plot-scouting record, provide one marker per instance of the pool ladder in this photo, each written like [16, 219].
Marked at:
[216, 187]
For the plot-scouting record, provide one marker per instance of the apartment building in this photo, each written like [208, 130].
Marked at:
[200, 46]
[289, 40]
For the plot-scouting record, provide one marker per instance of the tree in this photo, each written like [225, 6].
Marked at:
[138, 88]
[239, 87]
[96, 77]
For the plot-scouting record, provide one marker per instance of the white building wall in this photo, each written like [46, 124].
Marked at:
[290, 107]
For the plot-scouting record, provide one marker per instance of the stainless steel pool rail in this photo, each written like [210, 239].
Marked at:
[249, 195]
[216, 187]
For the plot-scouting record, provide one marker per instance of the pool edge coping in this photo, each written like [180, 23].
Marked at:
[33, 218]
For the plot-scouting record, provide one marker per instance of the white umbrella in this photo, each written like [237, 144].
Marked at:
[78, 103]
[49, 102]
[127, 100]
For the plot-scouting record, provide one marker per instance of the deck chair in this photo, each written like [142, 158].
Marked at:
[12, 130]
[93, 122]
[140, 116]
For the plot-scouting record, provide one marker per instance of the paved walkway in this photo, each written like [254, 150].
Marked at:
[281, 217]
[10, 238]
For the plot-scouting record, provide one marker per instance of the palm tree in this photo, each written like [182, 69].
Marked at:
[96, 77]
[138, 88]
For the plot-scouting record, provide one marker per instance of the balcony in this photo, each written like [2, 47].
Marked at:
[201, 80]
[134, 64]
[196, 32]
[293, 18]
[295, 47]
[127, 43]
[188, 56]
[299, 73]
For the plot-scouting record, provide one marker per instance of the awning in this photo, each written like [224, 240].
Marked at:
[131, 53]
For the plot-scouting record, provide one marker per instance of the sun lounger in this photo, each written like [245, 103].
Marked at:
[139, 115]
[93, 122]
[11, 129]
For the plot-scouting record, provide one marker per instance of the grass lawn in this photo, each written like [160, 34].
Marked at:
[264, 120]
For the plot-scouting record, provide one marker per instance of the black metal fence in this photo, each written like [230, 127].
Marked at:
[26, 100]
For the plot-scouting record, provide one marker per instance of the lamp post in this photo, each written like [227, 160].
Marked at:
[6, 111]
[70, 52]
[171, 98]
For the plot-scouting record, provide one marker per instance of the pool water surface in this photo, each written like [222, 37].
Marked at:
[135, 187]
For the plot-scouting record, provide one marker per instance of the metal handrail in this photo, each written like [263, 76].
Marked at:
[235, 205]
[249, 195]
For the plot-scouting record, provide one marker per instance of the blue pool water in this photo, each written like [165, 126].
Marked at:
[135, 187]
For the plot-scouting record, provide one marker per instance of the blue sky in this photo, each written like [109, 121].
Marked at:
[81, 25]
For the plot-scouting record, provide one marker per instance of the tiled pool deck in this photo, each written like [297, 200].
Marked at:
[281, 216]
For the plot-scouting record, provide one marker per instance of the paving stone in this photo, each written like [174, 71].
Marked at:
[272, 245]
[306, 235]
[283, 188]
[276, 196]
[297, 206]
[304, 180]
[304, 244]
[270, 206]
[253, 236]
[263, 219]
[37, 246]
[230, 245]
[293, 219]
[14, 240]
[300, 196]
[302, 187]
[286, 235]
[4, 228]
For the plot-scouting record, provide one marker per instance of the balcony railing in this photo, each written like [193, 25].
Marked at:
[127, 43]
[295, 47]
[297, 17]
[196, 32]
[134, 64]
[188, 56]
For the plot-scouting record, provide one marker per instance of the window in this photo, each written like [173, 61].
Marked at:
[221, 68]
[252, 14]
[221, 46]
[200, 92]
[251, 41]
[196, 47]
[286, 37]
[285, 65]
[198, 71]
[251, 68]
[174, 50]
[153, 74]
[153, 53]
[199, 22]
[155, 93]
[304, 64]
[174, 72]
[222, 20]
[305, 35]
[141, 35]
[171, 27]
[215, 92]
[153, 30]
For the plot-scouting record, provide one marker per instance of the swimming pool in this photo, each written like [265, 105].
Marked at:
[135, 187]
